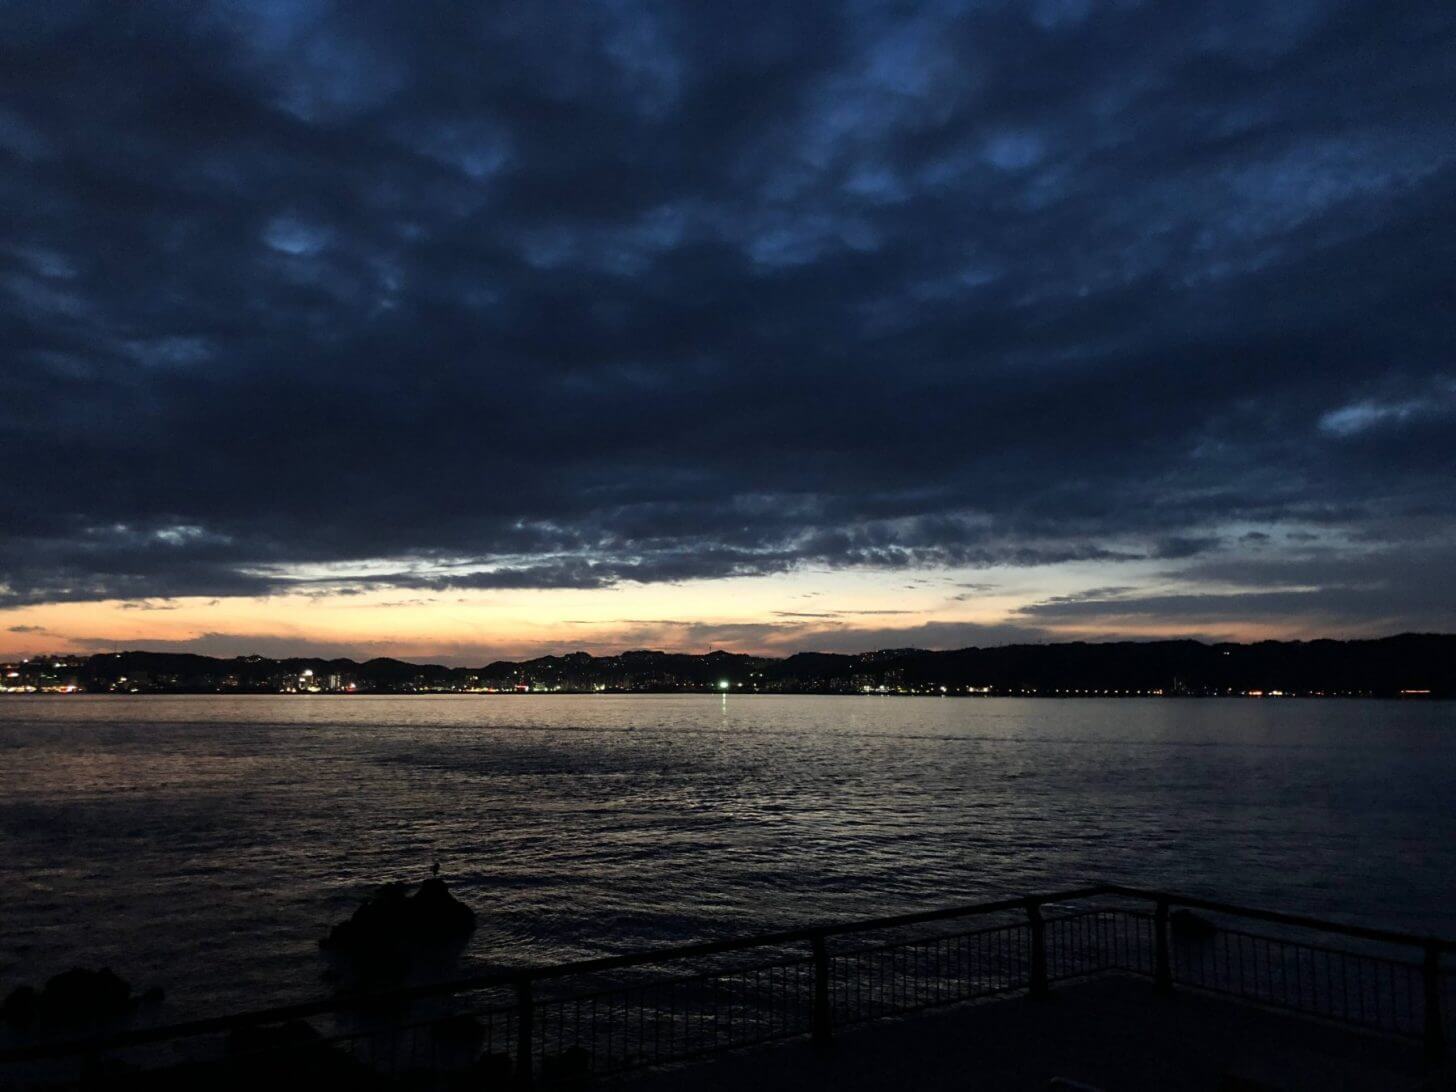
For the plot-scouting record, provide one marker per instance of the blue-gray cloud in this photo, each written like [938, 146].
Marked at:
[518, 297]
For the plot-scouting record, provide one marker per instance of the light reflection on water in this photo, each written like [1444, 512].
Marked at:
[206, 843]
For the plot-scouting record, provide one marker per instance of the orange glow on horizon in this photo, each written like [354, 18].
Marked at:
[773, 615]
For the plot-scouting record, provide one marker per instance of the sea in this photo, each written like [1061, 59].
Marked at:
[205, 844]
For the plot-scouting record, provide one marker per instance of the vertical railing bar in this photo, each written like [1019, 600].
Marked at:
[990, 960]
[962, 972]
[1410, 1004]
[1434, 1029]
[1324, 998]
[1039, 986]
[896, 992]
[897, 986]
[1390, 976]
[1228, 965]
[880, 983]
[1162, 966]
[859, 988]
[1243, 963]
[996, 960]
[1315, 980]
[1345, 987]
[935, 982]
[524, 1014]
[1248, 967]
[998, 956]
[774, 1007]
[892, 980]
[1298, 979]
[1360, 988]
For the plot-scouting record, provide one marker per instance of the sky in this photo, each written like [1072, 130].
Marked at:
[465, 331]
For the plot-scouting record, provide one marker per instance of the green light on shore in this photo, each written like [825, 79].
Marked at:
[723, 684]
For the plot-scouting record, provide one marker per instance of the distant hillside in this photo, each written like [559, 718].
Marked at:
[1410, 664]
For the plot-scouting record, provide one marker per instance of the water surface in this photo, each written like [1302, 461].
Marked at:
[205, 843]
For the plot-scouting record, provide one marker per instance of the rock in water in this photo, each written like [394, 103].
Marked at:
[80, 996]
[21, 1007]
[373, 924]
[77, 996]
[388, 929]
[74, 998]
[440, 918]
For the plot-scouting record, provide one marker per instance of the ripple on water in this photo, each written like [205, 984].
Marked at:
[206, 843]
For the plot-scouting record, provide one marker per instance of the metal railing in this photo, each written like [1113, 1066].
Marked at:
[569, 1022]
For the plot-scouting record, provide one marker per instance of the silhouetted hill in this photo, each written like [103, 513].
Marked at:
[1387, 666]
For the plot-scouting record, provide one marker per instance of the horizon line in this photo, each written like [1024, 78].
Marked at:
[907, 649]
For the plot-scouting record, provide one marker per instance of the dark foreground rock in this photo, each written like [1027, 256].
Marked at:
[1188, 926]
[292, 1047]
[74, 998]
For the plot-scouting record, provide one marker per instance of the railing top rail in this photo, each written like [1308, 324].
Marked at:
[1194, 902]
[506, 977]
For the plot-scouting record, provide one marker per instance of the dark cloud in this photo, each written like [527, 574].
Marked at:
[1337, 590]
[513, 297]
[1180, 546]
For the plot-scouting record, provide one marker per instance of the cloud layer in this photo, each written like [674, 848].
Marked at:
[446, 296]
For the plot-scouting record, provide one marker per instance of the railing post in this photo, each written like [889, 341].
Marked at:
[822, 1021]
[1435, 1036]
[1039, 986]
[525, 1034]
[1162, 965]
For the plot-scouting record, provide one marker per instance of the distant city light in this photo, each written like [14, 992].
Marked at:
[723, 684]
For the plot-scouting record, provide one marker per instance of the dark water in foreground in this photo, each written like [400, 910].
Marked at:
[205, 843]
